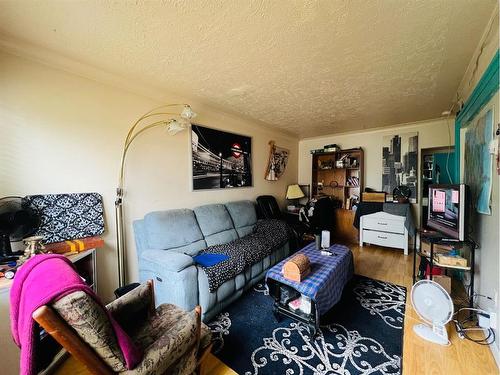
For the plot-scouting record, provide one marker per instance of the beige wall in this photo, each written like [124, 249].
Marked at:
[63, 133]
[486, 234]
[432, 133]
[486, 227]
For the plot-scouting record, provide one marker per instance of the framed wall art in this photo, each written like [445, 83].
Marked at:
[400, 163]
[276, 165]
[478, 161]
[220, 160]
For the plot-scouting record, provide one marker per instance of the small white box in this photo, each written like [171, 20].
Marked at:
[305, 305]
[325, 239]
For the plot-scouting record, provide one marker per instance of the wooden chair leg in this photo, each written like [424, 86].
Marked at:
[152, 307]
[197, 311]
[202, 359]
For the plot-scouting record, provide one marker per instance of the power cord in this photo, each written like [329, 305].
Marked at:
[469, 324]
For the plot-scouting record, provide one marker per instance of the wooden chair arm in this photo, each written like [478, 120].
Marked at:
[65, 336]
[197, 311]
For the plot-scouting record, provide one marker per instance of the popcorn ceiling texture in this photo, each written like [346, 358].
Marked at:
[308, 67]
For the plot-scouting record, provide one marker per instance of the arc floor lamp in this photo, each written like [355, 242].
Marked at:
[176, 122]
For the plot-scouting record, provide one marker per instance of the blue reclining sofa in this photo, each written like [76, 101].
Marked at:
[166, 241]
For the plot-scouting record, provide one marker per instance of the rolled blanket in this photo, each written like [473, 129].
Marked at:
[267, 236]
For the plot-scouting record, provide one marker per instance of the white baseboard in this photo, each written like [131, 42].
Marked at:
[496, 353]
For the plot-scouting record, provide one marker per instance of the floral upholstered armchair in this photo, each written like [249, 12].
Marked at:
[173, 341]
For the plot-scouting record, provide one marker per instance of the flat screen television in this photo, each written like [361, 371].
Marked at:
[447, 210]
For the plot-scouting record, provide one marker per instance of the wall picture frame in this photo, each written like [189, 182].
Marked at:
[220, 159]
[277, 162]
[400, 163]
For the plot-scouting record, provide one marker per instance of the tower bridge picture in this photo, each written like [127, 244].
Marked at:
[220, 159]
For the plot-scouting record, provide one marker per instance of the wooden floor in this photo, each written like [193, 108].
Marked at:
[419, 357]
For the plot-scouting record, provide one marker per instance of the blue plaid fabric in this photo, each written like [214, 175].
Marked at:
[329, 274]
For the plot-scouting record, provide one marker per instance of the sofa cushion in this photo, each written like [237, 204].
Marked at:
[215, 224]
[243, 215]
[173, 229]
[210, 300]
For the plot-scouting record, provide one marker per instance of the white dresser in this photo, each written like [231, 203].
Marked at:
[384, 229]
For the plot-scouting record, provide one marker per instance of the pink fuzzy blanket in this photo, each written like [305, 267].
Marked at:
[40, 281]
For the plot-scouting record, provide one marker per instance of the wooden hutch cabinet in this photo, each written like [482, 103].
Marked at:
[340, 175]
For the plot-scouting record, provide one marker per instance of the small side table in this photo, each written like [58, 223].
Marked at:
[435, 240]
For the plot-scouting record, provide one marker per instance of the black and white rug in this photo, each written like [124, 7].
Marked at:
[362, 334]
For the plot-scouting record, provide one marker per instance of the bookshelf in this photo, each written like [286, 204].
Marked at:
[340, 175]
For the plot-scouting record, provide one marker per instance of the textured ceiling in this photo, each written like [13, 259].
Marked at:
[309, 67]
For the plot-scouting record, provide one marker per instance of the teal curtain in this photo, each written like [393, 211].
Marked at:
[441, 159]
[483, 92]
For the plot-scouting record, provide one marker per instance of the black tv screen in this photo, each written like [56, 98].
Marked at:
[447, 210]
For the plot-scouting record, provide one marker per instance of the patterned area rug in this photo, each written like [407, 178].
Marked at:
[362, 334]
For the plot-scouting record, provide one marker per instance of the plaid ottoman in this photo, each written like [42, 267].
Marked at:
[324, 284]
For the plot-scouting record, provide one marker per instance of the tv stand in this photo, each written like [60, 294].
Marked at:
[434, 238]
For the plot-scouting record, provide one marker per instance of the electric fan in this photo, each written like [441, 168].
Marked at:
[434, 306]
[17, 220]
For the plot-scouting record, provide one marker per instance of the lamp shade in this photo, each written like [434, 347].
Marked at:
[188, 113]
[175, 126]
[294, 192]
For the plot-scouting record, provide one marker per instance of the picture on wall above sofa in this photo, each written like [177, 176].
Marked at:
[220, 159]
[399, 163]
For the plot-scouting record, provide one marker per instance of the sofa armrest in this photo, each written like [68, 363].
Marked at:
[169, 260]
[175, 277]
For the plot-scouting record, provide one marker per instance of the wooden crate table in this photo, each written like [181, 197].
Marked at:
[323, 285]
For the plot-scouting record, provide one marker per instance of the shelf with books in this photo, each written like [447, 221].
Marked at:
[339, 175]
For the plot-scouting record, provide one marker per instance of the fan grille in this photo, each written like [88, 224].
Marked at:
[432, 302]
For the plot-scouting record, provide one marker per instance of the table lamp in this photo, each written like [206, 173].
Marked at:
[294, 193]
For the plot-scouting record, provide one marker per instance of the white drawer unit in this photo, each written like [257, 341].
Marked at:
[384, 229]
[384, 224]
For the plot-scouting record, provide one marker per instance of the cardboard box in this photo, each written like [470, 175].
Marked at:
[425, 248]
[447, 260]
[444, 281]
[373, 197]
[79, 245]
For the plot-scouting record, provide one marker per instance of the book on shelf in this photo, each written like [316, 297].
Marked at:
[352, 181]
